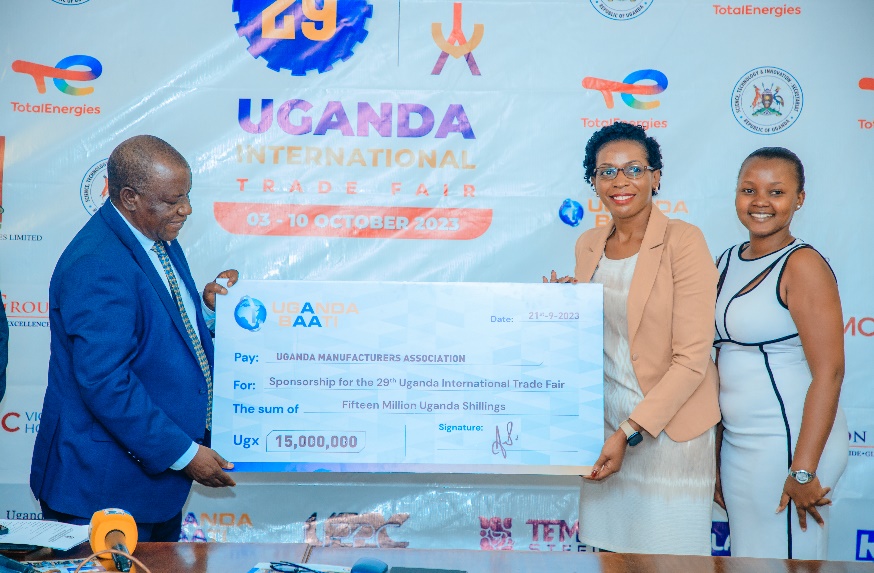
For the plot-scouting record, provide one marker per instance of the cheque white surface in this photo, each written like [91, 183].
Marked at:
[409, 377]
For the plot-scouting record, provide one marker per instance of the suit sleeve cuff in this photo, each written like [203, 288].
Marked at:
[208, 316]
[186, 457]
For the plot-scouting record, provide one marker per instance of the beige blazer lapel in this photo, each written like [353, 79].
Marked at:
[647, 267]
[589, 256]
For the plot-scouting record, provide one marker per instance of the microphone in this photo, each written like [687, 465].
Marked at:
[114, 529]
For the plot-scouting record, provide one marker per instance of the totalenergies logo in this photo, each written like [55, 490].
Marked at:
[629, 87]
[866, 84]
[61, 73]
[300, 36]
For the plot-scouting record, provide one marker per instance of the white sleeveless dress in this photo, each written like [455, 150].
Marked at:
[764, 377]
[661, 499]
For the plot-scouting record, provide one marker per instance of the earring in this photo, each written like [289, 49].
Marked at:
[797, 207]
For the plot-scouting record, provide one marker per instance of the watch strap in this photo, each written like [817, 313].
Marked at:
[632, 436]
[627, 428]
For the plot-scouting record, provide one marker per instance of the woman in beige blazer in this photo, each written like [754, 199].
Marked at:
[650, 490]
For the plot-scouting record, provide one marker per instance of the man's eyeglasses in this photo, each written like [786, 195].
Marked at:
[631, 171]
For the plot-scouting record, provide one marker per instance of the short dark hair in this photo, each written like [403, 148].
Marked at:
[130, 163]
[620, 131]
[778, 153]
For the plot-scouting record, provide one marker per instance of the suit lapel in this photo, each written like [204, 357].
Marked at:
[120, 228]
[590, 255]
[647, 267]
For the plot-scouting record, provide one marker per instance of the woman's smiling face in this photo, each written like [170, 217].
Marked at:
[622, 196]
[767, 196]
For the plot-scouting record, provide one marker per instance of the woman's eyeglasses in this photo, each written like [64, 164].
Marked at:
[631, 171]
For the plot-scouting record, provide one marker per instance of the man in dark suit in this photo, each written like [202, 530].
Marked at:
[126, 414]
[4, 349]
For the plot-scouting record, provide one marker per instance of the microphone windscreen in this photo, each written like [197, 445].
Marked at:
[106, 520]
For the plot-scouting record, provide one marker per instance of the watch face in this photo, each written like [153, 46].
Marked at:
[635, 439]
[802, 476]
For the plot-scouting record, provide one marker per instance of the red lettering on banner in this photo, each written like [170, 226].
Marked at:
[858, 325]
[549, 530]
[26, 309]
[4, 422]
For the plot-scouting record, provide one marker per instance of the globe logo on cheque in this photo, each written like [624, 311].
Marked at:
[250, 313]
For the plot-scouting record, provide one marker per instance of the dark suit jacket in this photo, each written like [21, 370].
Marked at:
[4, 349]
[670, 310]
[126, 395]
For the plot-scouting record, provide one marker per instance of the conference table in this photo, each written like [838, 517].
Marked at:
[242, 557]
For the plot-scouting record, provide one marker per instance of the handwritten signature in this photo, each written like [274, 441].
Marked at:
[498, 444]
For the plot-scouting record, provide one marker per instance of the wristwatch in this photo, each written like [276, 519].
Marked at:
[632, 436]
[802, 476]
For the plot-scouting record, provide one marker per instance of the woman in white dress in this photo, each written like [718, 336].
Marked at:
[779, 335]
[650, 491]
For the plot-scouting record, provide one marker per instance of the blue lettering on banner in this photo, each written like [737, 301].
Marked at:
[864, 545]
[720, 539]
[411, 119]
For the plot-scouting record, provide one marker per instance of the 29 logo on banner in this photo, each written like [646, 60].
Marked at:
[302, 35]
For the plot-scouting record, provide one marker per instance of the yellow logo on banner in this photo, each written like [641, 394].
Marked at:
[326, 16]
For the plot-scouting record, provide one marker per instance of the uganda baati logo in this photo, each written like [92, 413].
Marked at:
[571, 212]
[95, 187]
[621, 9]
[767, 100]
[250, 313]
[302, 35]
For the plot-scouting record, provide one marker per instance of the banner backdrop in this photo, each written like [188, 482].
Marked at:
[424, 140]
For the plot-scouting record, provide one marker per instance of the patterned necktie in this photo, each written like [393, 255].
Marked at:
[158, 247]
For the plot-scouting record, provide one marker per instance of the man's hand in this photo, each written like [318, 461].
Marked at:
[213, 288]
[208, 467]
